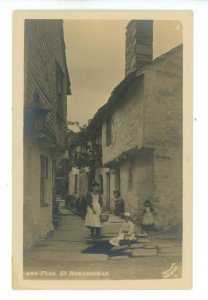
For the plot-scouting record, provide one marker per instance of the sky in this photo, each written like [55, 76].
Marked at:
[95, 52]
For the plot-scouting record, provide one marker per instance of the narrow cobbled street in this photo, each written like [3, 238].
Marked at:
[69, 253]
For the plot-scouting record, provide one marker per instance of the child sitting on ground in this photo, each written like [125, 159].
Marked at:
[126, 232]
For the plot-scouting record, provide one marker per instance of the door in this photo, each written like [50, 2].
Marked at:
[108, 190]
[117, 180]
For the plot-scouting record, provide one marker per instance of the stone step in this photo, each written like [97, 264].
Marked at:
[170, 254]
[143, 240]
[172, 249]
[137, 246]
[119, 248]
[128, 252]
[168, 245]
[144, 252]
[151, 246]
[142, 236]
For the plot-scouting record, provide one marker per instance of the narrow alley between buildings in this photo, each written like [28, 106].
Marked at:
[69, 253]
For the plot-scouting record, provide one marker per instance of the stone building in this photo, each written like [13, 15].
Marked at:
[46, 86]
[142, 130]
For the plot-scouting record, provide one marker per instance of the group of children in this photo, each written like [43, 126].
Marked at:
[126, 232]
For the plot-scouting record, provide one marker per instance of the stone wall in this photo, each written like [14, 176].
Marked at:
[163, 81]
[150, 119]
[163, 132]
[168, 189]
[127, 123]
[137, 183]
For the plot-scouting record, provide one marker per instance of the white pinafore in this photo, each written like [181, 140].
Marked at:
[91, 219]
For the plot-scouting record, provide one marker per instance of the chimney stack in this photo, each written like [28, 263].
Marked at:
[139, 44]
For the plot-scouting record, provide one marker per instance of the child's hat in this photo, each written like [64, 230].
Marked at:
[127, 214]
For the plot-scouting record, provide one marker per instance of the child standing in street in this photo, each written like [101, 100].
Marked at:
[94, 205]
[148, 217]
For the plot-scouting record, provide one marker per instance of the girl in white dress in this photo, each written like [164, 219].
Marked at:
[94, 204]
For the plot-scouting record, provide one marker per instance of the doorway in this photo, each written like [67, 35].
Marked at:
[117, 180]
[108, 190]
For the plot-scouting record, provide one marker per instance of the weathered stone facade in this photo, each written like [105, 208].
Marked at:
[147, 139]
[163, 123]
[141, 130]
[127, 123]
[44, 58]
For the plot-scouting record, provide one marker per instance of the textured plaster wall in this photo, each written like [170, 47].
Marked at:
[168, 189]
[152, 119]
[127, 123]
[135, 189]
[37, 219]
[163, 132]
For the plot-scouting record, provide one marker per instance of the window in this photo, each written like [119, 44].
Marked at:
[59, 90]
[109, 131]
[43, 179]
[99, 138]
